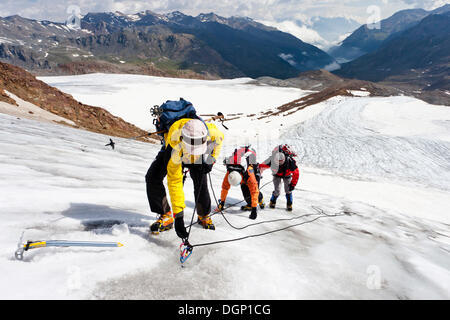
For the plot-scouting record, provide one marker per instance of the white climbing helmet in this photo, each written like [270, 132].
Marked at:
[279, 158]
[194, 136]
[234, 178]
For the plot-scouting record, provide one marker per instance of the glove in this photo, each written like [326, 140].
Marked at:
[220, 206]
[180, 229]
[291, 187]
[208, 163]
[253, 215]
[206, 168]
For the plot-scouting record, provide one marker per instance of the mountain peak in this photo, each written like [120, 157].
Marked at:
[16, 17]
[176, 14]
[248, 19]
[147, 13]
[443, 9]
[211, 17]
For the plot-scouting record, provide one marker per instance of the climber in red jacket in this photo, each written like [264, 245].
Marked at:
[284, 169]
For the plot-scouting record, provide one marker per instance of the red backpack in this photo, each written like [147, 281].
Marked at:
[287, 150]
[243, 153]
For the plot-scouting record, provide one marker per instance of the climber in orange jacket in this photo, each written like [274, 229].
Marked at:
[242, 169]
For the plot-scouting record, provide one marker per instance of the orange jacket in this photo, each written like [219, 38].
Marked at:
[251, 183]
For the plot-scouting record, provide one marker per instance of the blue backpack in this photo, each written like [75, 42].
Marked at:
[172, 111]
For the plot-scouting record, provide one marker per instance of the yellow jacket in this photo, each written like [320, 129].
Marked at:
[174, 166]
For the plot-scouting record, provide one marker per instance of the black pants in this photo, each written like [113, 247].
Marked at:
[201, 191]
[246, 192]
[156, 192]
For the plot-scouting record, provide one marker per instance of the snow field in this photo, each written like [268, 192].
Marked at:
[391, 243]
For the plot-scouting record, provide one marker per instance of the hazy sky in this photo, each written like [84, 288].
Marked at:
[269, 10]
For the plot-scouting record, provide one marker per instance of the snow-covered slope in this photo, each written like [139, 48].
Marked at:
[131, 96]
[390, 240]
[399, 146]
[28, 110]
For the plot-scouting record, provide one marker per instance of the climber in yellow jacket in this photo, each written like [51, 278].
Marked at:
[192, 145]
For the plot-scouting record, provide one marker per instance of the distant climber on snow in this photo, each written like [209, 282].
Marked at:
[111, 143]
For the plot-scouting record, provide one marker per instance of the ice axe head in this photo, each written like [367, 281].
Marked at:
[20, 248]
[221, 119]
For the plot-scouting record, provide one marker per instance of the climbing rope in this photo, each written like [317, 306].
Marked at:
[186, 248]
[269, 232]
[230, 206]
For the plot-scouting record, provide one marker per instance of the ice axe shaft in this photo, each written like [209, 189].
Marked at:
[219, 116]
[61, 243]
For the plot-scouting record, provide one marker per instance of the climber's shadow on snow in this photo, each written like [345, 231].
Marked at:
[100, 218]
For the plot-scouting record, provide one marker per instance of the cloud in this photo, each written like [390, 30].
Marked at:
[301, 32]
[289, 58]
[332, 66]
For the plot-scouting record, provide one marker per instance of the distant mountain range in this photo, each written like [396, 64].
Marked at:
[410, 51]
[173, 44]
[367, 39]
[417, 56]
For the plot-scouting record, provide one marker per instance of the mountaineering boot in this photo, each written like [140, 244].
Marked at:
[164, 223]
[261, 203]
[206, 222]
[273, 202]
[253, 215]
[247, 207]
[289, 202]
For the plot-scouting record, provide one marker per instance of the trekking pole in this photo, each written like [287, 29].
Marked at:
[219, 117]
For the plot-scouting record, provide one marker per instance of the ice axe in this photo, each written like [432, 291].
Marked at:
[23, 247]
[219, 117]
[185, 251]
